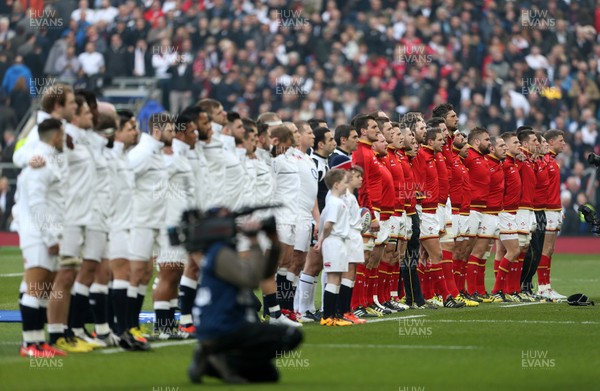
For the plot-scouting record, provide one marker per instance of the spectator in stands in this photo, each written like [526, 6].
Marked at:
[570, 224]
[92, 66]
[142, 60]
[13, 73]
[68, 64]
[84, 13]
[20, 98]
[118, 59]
[7, 195]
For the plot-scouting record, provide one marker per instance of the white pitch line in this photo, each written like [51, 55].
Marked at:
[153, 346]
[11, 275]
[519, 305]
[510, 321]
[395, 318]
[376, 346]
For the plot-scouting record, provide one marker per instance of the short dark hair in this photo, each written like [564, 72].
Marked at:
[362, 122]
[314, 123]
[553, 134]
[301, 125]
[262, 128]
[282, 133]
[494, 140]
[47, 126]
[208, 105]
[232, 116]
[508, 135]
[523, 128]
[158, 120]
[395, 124]
[523, 135]
[476, 132]
[442, 110]
[432, 133]
[342, 131]
[183, 119]
[333, 176]
[319, 136]
[435, 122]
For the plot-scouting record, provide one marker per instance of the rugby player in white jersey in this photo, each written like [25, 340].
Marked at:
[179, 197]
[149, 211]
[285, 190]
[308, 210]
[120, 223]
[39, 213]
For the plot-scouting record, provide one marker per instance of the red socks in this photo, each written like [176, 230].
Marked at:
[543, 270]
[472, 269]
[359, 285]
[503, 270]
[481, 276]
[439, 281]
[384, 272]
[449, 278]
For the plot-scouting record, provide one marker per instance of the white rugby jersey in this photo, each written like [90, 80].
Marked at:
[353, 211]
[250, 192]
[103, 191]
[40, 199]
[81, 181]
[200, 169]
[148, 166]
[180, 191]
[22, 155]
[336, 211]
[215, 160]
[309, 184]
[286, 186]
[123, 182]
[263, 188]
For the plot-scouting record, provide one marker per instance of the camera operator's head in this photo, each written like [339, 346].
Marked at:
[556, 140]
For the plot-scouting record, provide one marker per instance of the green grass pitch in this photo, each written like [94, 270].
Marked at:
[540, 346]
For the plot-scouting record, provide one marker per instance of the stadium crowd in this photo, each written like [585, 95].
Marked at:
[501, 64]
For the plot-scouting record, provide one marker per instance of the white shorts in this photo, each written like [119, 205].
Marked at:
[402, 230]
[507, 224]
[243, 242]
[430, 226]
[286, 233]
[144, 243]
[37, 256]
[95, 246]
[440, 212]
[384, 232]
[525, 217]
[355, 248]
[335, 256]
[396, 223]
[473, 223]
[489, 226]
[304, 229]
[169, 255]
[456, 225]
[553, 220]
[118, 244]
[72, 241]
[447, 235]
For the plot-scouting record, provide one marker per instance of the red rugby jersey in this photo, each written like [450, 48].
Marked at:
[465, 204]
[456, 185]
[528, 181]
[408, 189]
[393, 164]
[540, 196]
[418, 168]
[443, 176]
[512, 184]
[496, 196]
[553, 192]
[430, 180]
[369, 194]
[388, 193]
[479, 177]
